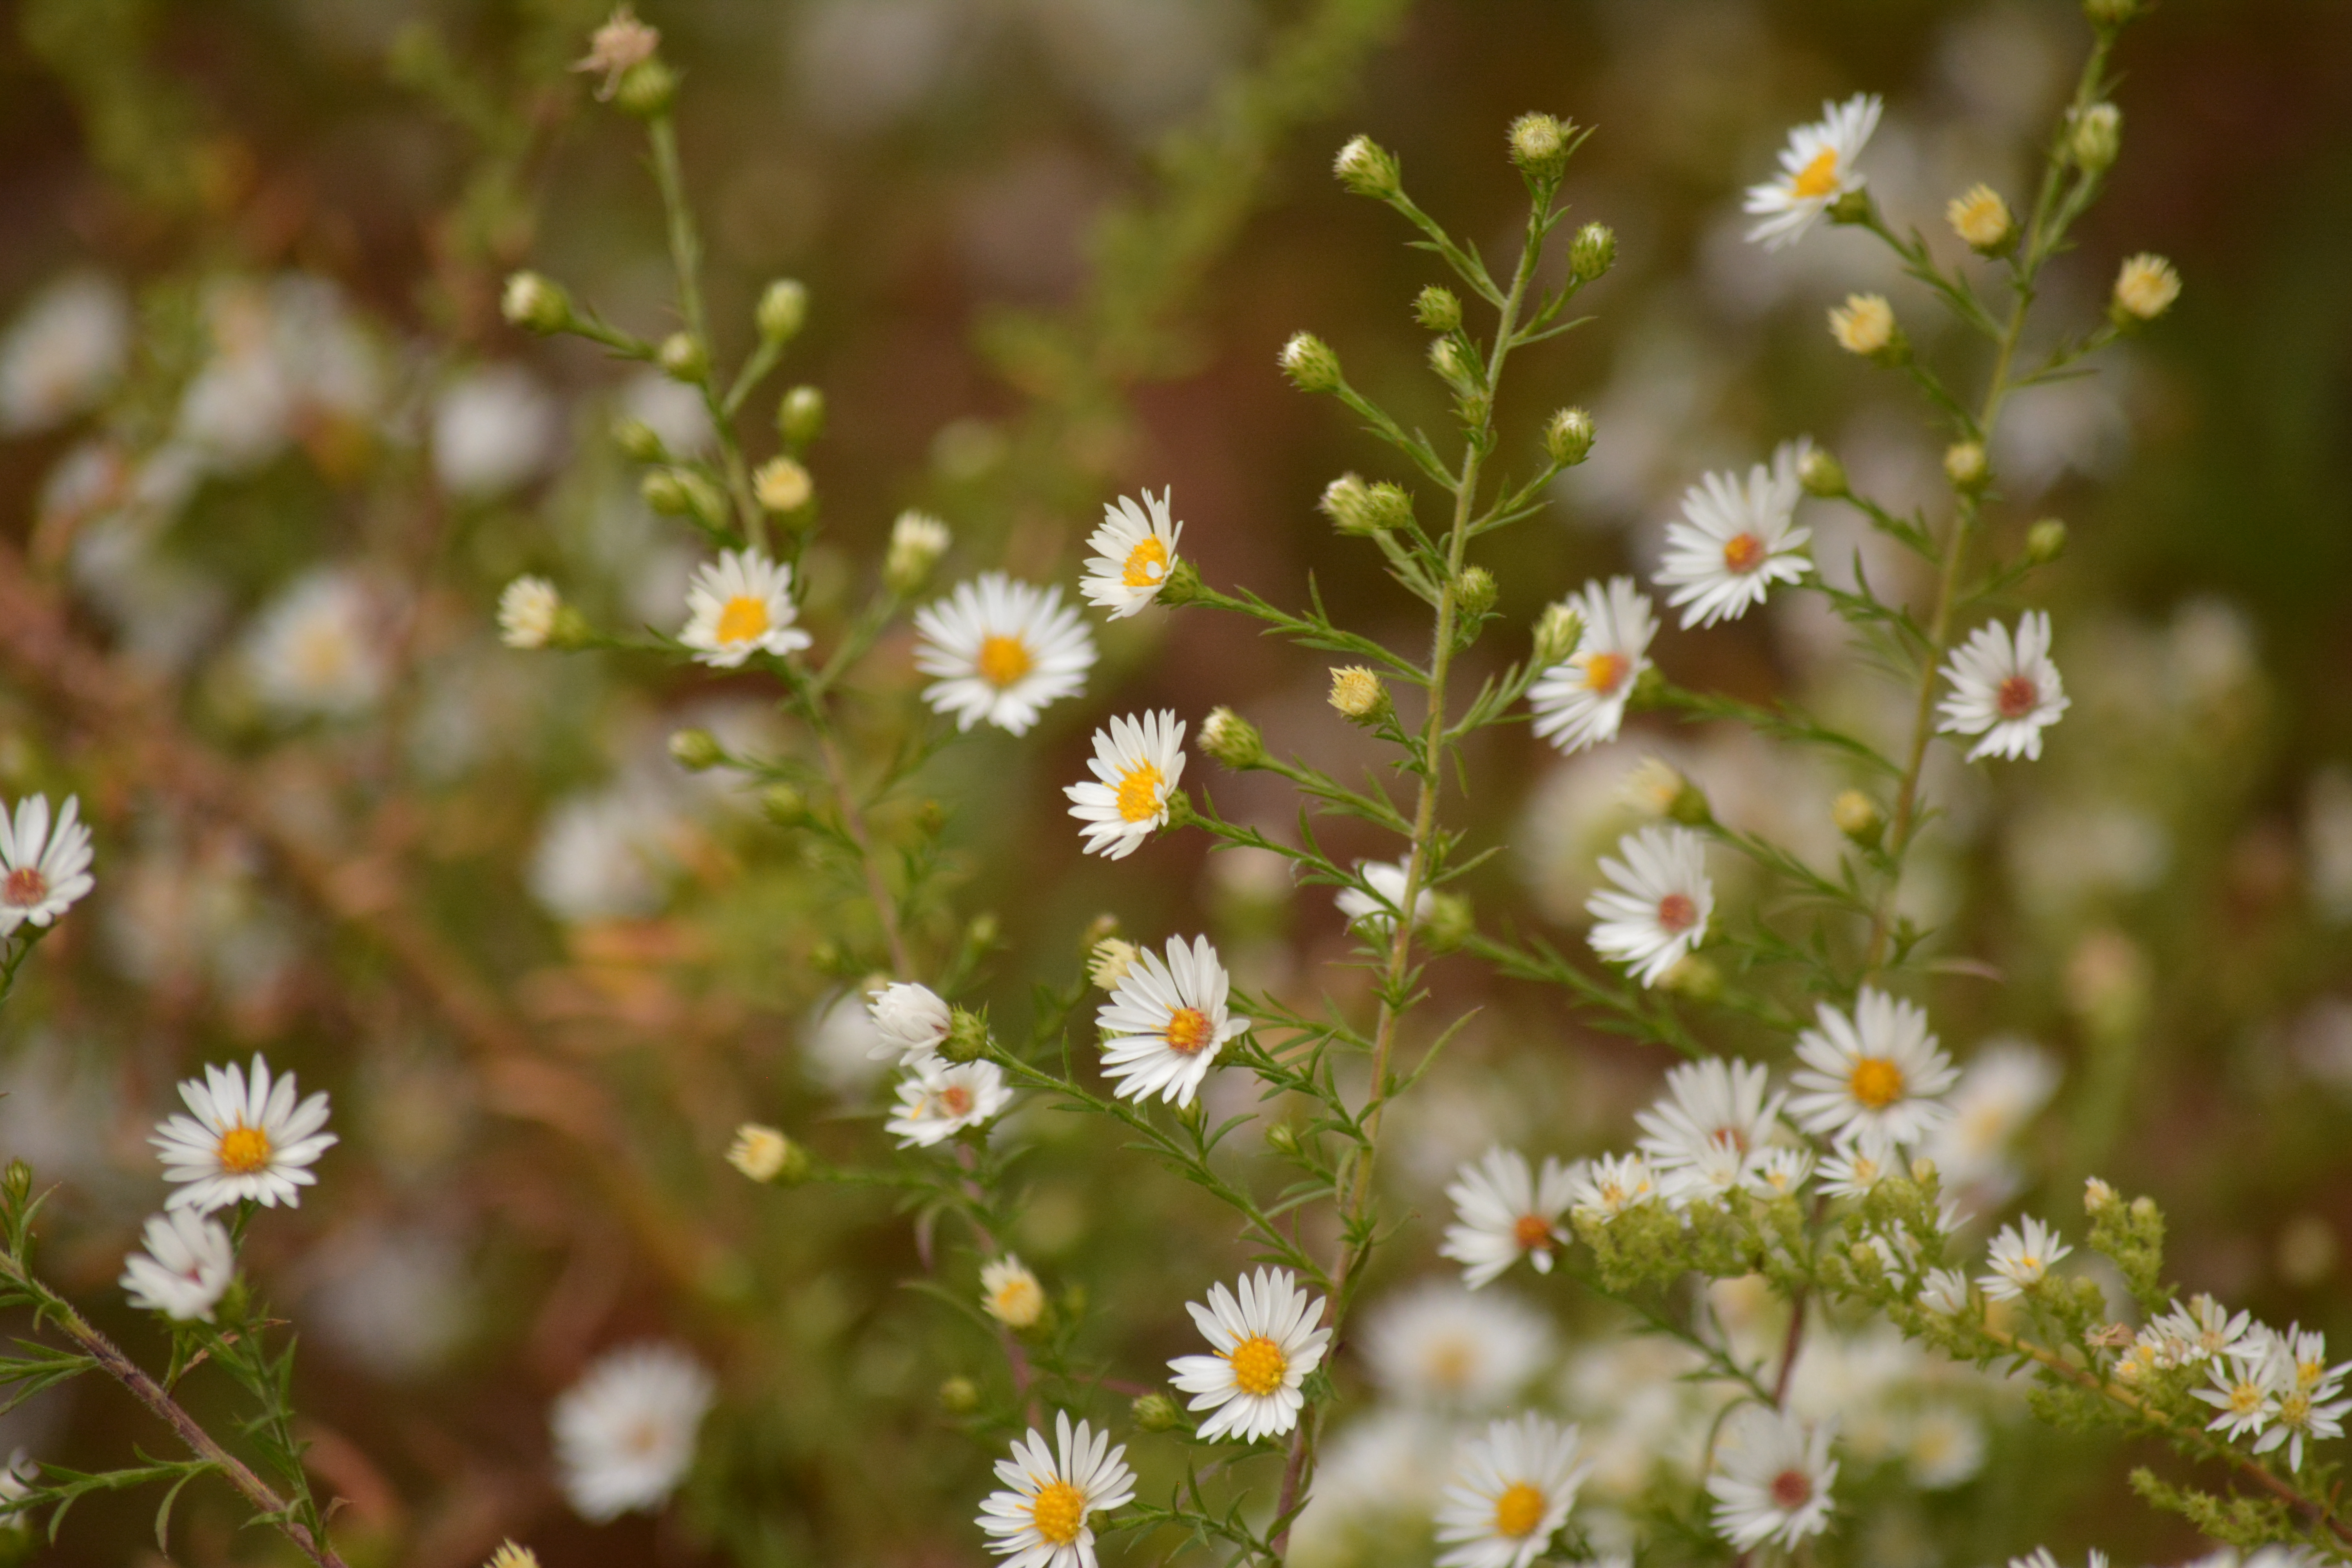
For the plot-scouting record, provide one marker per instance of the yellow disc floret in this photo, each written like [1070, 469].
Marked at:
[1003, 661]
[243, 1150]
[1258, 1365]
[1518, 1509]
[1146, 564]
[1875, 1082]
[1138, 792]
[1059, 1513]
[743, 619]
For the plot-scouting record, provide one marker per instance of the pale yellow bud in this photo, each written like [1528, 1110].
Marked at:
[1010, 1293]
[1110, 961]
[1357, 692]
[1864, 325]
[760, 1152]
[2146, 288]
[781, 485]
[509, 1555]
[1982, 219]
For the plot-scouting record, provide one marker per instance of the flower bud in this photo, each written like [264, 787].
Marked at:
[1309, 362]
[1856, 816]
[1475, 591]
[2045, 541]
[2096, 1195]
[1456, 369]
[1656, 788]
[800, 416]
[1367, 169]
[765, 1154]
[528, 611]
[1283, 1138]
[1108, 964]
[966, 1039]
[1965, 464]
[639, 440]
[682, 492]
[959, 1395]
[2095, 137]
[1694, 977]
[1450, 922]
[647, 89]
[1592, 252]
[918, 539]
[1437, 309]
[536, 303]
[1821, 473]
[1357, 695]
[682, 357]
[1557, 631]
[1181, 586]
[981, 931]
[1568, 437]
[1923, 1170]
[1539, 146]
[784, 806]
[1155, 1412]
[1853, 206]
[781, 485]
[2110, 13]
[1231, 740]
[1982, 219]
[2144, 289]
[784, 307]
[697, 751]
[1865, 325]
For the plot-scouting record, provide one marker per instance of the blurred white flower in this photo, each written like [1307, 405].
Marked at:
[671, 409]
[1009, 1292]
[394, 1299]
[63, 352]
[1374, 913]
[2003, 1089]
[493, 430]
[527, 610]
[1002, 651]
[1775, 1479]
[1661, 904]
[1265, 1337]
[937, 1100]
[602, 855]
[911, 1022]
[1605, 1188]
[185, 1268]
[2327, 840]
[245, 1139]
[624, 1432]
[1580, 701]
[1440, 1345]
[1817, 167]
[1711, 1108]
[317, 648]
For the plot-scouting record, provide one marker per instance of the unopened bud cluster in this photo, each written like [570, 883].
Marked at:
[1309, 362]
[1355, 507]
[918, 539]
[1367, 169]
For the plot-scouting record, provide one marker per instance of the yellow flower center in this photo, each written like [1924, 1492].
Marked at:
[1450, 1363]
[322, 653]
[1743, 553]
[1877, 1082]
[1817, 178]
[2308, 1373]
[1677, 913]
[957, 1100]
[1003, 661]
[1531, 1231]
[743, 619]
[25, 888]
[1605, 672]
[1146, 564]
[1519, 1511]
[2245, 1398]
[243, 1150]
[1258, 1365]
[1188, 1031]
[1059, 1513]
[1138, 792]
[2294, 1409]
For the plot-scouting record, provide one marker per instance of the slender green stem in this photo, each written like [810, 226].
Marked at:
[685, 258]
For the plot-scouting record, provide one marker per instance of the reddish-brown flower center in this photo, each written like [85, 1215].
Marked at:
[1531, 1231]
[25, 888]
[2017, 698]
[1188, 1031]
[1791, 1489]
[956, 1098]
[1677, 913]
[1743, 553]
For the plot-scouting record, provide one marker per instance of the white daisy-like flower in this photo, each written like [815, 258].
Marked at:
[1039, 1520]
[67, 349]
[1945, 1291]
[1374, 913]
[2304, 1386]
[1858, 1165]
[43, 871]
[527, 609]
[2021, 1257]
[244, 1138]
[1511, 1492]
[2000, 1092]
[1265, 1339]
[1658, 910]
[1775, 1479]
[1136, 764]
[1134, 551]
[316, 650]
[624, 1432]
[740, 605]
[1166, 1022]
[2245, 1392]
[909, 1023]
[186, 1266]
[1580, 701]
[1001, 650]
[2306, 1353]
[1440, 1345]
[2204, 1328]
[937, 1100]
[1783, 1172]
[1010, 1292]
[1876, 1072]
[1711, 1109]
[2004, 689]
[1735, 539]
[1504, 1211]
[1817, 167]
[1607, 1187]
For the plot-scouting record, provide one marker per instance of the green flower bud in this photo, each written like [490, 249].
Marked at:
[2095, 137]
[784, 307]
[1540, 146]
[918, 539]
[1155, 1412]
[1568, 438]
[1966, 466]
[1593, 252]
[1437, 309]
[1694, 977]
[966, 1039]
[1283, 1138]
[647, 89]
[1309, 362]
[682, 357]
[1231, 740]
[682, 492]
[536, 303]
[1454, 366]
[1475, 592]
[2045, 541]
[639, 440]
[1557, 631]
[1853, 206]
[800, 416]
[1857, 817]
[1367, 169]
[1821, 473]
[784, 806]
[1181, 585]
[983, 930]
[959, 1395]
[1450, 924]
[2110, 13]
[696, 751]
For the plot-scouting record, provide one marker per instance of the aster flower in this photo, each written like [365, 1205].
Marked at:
[1002, 651]
[43, 872]
[1580, 701]
[244, 1138]
[2021, 1257]
[1503, 1211]
[1512, 1490]
[1710, 1108]
[1876, 1072]
[624, 1432]
[2246, 1392]
[2201, 1331]
[1440, 1345]
[1735, 539]
[316, 649]
[741, 605]
[937, 1100]
[1165, 1022]
[1859, 1164]
[1605, 1188]
[1010, 1293]
[186, 1269]
[2004, 689]
[1782, 1171]
[1134, 551]
[1039, 1518]
[527, 609]
[1658, 910]
[1136, 764]
[2294, 1367]
[1945, 1291]
[1265, 1336]
[1774, 1483]
[1817, 167]
[909, 1023]
[1374, 913]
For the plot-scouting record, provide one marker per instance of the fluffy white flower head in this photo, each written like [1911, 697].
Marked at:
[1512, 1488]
[185, 1270]
[1039, 1519]
[1374, 913]
[44, 871]
[1134, 551]
[1001, 650]
[63, 353]
[1605, 1188]
[1136, 764]
[1874, 1073]
[1504, 1211]
[1817, 167]
[1165, 1022]
[1441, 1346]
[244, 1138]
[1774, 1480]
[528, 607]
[1580, 701]
[740, 605]
[2004, 689]
[909, 1023]
[937, 1100]
[1735, 540]
[1659, 909]
[315, 650]
[1010, 1292]
[624, 1432]
[2021, 1257]
[1265, 1341]
[1711, 1108]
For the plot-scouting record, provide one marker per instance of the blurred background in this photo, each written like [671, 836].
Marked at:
[271, 453]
